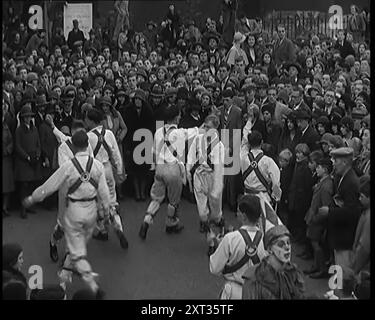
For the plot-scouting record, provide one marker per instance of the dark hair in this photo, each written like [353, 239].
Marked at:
[95, 115]
[250, 206]
[315, 156]
[80, 139]
[78, 124]
[224, 65]
[255, 139]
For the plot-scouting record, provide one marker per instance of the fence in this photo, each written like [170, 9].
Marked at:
[297, 25]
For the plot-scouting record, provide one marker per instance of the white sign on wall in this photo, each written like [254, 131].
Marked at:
[80, 11]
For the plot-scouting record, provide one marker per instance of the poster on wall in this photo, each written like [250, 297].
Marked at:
[80, 11]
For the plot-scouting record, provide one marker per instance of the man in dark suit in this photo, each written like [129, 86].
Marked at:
[284, 49]
[192, 118]
[343, 46]
[75, 35]
[297, 100]
[342, 217]
[308, 132]
[231, 125]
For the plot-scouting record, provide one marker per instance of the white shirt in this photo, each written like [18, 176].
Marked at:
[68, 174]
[231, 250]
[267, 167]
[198, 152]
[102, 154]
[177, 137]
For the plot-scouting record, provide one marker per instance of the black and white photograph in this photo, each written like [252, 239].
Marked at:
[186, 150]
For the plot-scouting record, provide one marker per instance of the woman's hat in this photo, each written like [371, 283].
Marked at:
[140, 94]
[239, 37]
[275, 233]
[157, 91]
[105, 101]
[26, 112]
[121, 93]
[293, 64]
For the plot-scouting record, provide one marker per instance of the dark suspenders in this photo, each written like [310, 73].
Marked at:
[254, 167]
[101, 142]
[85, 175]
[168, 143]
[70, 145]
[250, 245]
[210, 146]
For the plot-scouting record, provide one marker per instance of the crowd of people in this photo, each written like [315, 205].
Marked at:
[303, 103]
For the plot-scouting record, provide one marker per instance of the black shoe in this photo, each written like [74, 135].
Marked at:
[319, 275]
[101, 236]
[23, 213]
[174, 229]
[143, 231]
[123, 241]
[211, 250]
[53, 253]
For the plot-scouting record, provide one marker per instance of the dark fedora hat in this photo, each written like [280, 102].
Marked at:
[26, 111]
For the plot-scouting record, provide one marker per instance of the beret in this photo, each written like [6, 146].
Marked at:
[274, 233]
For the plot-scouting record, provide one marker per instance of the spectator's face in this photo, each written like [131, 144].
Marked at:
[366, 138]
[152, 78]
[272, 94]
[349, 37]
[309, 63]
[203, 57]
[283, 162]
[184, 65]
[281, 32]
[115, 66]
[139, 64]
[60, 82]
[329, 97]
[97, 93]
[101, 59]
[161, 74]
[368, 55]
[290, 125]
[339, 165]
[267, 59]
[189, 76]
[293, 72]
[251, 41]
[133, 58]
[357, 89]
[118, 83]
[92, 70]
[267, 116]
[99, 81]
[108, 93]
[205, 100]
[58, 91]
[179, 58]
[317, 49]
[321, 129]
[109, 74]
[324, 46]
[295, 97]
[81, 94]
[194, 60]
[341, 36]
[340, 87]
[212, 43]
[326, 81]
[318, 68]
[153, 57]
[223, 73]
[133, 82]
[126, 56]
[227, 102]
[196, 83]
[127, 67]
[205, 74]
[240, 65]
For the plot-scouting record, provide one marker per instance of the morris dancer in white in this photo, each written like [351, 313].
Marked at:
[84, 187]
[205, 173]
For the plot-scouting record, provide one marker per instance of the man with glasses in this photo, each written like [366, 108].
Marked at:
[284, 48]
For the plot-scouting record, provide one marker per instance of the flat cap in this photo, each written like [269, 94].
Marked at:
[342, 152]
[228, 93]
[106, 101]
[274, 233]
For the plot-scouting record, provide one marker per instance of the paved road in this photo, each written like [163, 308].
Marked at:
[162, 267]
